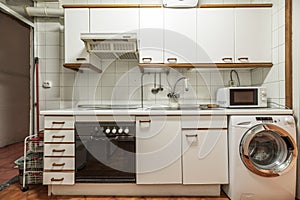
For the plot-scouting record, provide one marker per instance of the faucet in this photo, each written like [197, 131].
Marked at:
[175, 96]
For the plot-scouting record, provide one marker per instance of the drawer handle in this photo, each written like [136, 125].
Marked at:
[58, 122]
[189, 136]
[58, 136]
[58, 150]
[243, 59]
[227, 59]
[58, 164]
[146, 60]
[145, 121]
[172, 60]
[57, 179]
[80, 59]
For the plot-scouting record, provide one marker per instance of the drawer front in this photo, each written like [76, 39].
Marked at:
[59, 163]
[59, 122]
[58, 178]
[59, 150]
[59, 136]
[206, 121]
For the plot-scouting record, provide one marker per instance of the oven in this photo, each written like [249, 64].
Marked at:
[105, 152]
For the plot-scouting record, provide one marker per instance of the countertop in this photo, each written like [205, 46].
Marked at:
[144, 111]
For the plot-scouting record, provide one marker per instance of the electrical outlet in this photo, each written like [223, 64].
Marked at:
[47, 84]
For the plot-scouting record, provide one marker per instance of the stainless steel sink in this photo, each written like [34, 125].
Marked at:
[173, 108]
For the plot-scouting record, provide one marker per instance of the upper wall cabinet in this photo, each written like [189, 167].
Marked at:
[253, 31]
[76, 22]
[180, 35]
[240, 35]
[114, 20]
[151, 35]
[215, 35]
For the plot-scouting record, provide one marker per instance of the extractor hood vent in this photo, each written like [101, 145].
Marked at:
[111, 46]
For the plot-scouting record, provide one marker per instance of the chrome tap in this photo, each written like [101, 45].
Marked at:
[175, 96]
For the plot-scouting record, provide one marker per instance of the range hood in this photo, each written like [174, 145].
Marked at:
[111, 46]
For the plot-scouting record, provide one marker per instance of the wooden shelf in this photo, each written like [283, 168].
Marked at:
[267, 5]
[208, 65]
[81, 66]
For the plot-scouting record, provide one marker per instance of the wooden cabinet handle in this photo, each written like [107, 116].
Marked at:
[172, 60]
[58, 123]
[145, 121]
[227, 59]
[80, 59]
[58, 136]
[58, 150]
[146, 60]
[58, 164]
[243, 59]
[57, 179]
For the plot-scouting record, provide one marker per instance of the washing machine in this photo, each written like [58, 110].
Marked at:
[262, 158]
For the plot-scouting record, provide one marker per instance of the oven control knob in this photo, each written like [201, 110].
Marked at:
[126, 130]
[120, 130]
[107, 130]
[114, 130]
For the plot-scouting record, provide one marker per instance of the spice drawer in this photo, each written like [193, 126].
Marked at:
[58, 178]
[59, 122]
[59, 150]
[59, 163]
[59, 136]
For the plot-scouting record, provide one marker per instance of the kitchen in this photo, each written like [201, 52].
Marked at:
[120, 81]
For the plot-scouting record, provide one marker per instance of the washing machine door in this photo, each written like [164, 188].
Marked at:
[268, 150]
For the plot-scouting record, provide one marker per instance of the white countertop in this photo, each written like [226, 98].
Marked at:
[141, 111]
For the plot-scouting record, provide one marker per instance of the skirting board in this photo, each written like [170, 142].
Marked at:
[134, 190]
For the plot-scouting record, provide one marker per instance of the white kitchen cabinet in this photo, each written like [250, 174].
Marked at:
[215, 35]
[158, 150]
[151, 35]
[76, 22]
[59, 150]
[180, 44]
[114, 20]
[253, 34]
[204, 150]
[204, 157]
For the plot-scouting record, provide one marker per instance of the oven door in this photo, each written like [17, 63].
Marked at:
[105, 159]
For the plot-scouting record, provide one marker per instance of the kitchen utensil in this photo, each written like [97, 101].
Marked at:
[155, 90]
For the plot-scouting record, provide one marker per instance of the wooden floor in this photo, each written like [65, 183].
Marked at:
[39, 192]
[8, 155]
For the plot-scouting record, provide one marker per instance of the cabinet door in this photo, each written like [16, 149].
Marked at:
[253, 34]
[151, 35]
[180, 35]
[114, 20]
[158, 150]
[215, 35]
[205, 157]
[76, 22]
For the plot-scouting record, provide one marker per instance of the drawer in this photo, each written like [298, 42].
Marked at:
[59, 136]
[58, 178]
[204, 121]
[59, 163]
[59, 122]
[59, 150]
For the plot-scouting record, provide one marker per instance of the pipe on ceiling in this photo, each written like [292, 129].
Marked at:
[44, 12]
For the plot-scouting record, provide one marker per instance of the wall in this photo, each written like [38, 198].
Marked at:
[296, 75]
[120, 81]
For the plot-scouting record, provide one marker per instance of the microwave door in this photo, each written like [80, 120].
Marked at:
[243, 97]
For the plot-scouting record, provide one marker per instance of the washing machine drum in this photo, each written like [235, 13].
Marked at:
[268, 150]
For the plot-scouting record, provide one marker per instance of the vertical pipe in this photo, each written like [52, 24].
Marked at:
[36, 62]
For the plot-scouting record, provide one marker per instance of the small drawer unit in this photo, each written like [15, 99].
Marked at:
[59, 150]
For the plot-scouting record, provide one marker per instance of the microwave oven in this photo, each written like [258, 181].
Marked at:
[242, 97]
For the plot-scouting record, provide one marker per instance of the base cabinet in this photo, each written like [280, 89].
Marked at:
[204, 157]
[158, 157]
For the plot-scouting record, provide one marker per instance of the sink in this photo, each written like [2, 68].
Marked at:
[173, 108]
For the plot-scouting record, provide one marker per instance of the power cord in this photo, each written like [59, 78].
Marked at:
[231, 82]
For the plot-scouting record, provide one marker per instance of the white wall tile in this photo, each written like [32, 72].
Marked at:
[275, 39]
[281, 17]
[281, 35]
[52, 93]
[281, 53]
[52, 38]
[52, 52]
[53, 65]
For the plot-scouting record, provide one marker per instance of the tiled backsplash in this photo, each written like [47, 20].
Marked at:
[120, 81]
